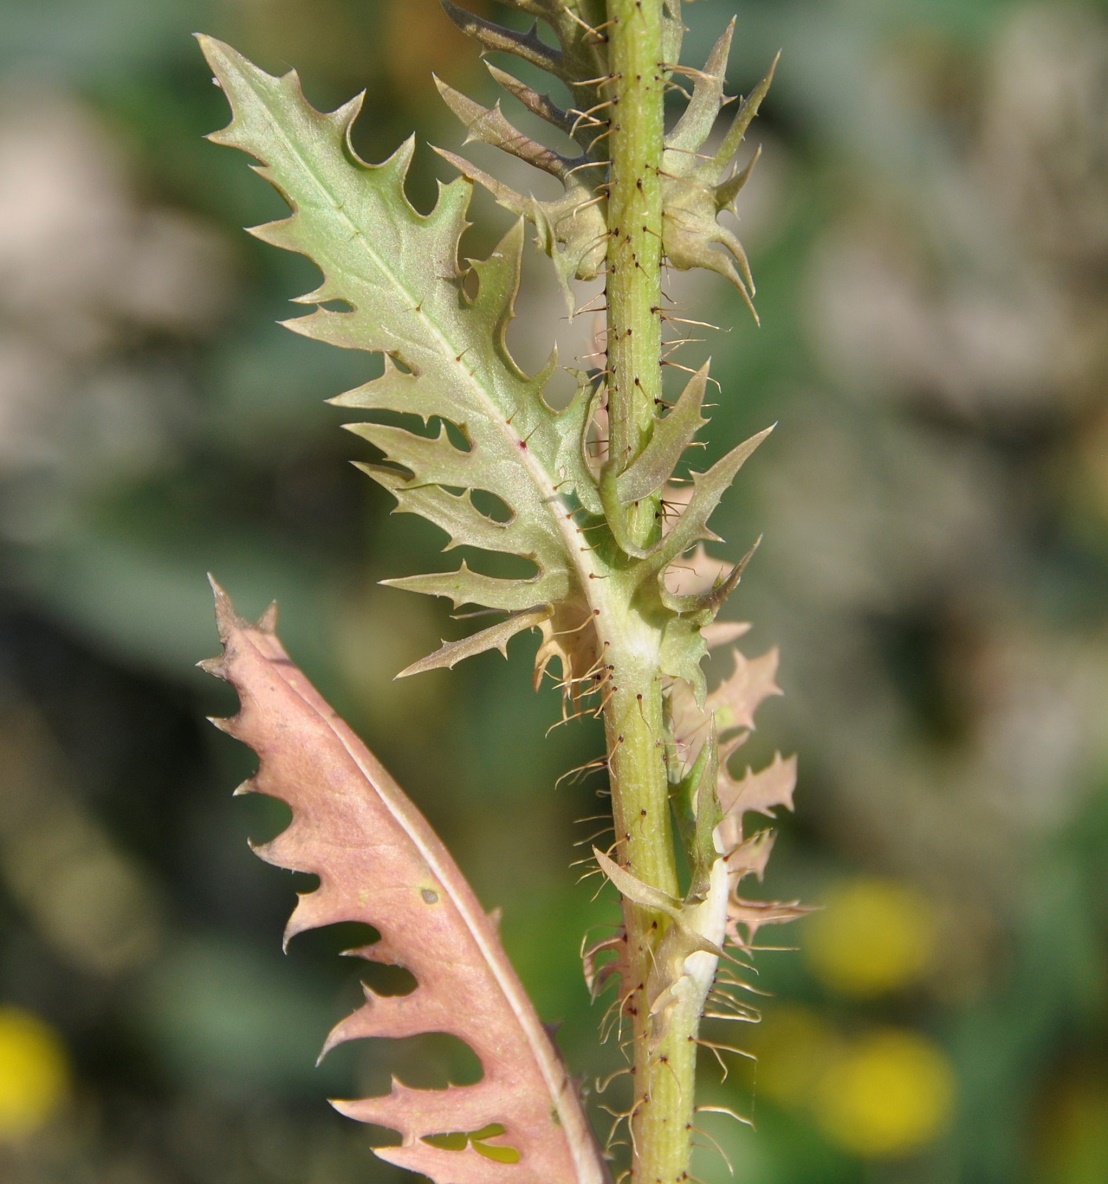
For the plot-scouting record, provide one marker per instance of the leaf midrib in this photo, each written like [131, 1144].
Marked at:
[450, 353]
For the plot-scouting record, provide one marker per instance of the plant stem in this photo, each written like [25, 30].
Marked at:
[664, 1051]
[634, 287]
[664, 1055]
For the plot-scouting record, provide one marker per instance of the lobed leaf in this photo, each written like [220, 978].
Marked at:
[707, 490]
[571, 229]
[495, 637]
[396, 273]
[709, 804]
[728, 711]
[698, 184]
[379, 863]
[654, 466]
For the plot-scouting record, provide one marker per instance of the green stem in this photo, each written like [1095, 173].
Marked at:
[664, 1054]
[634, 287]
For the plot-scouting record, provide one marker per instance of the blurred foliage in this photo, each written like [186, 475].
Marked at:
[929, 229]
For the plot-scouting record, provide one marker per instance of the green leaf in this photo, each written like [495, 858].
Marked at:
[654, 466]
[465, 586]
[392, 284]
[708, 488]
[495, 637]
[635, 889]
[572, 229]
[695, 125]
[697, 185]
[697, 809]
[487, 125]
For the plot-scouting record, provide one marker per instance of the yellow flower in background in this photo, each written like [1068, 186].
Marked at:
[883, 1094]
[889, 1095]
[34, 1073]
[873, 936]
[794, 1046]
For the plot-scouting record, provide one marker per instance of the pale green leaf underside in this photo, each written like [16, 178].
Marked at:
[394, 274]
[498, 636]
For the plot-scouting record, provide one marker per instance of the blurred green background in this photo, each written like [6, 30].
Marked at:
[929, 231]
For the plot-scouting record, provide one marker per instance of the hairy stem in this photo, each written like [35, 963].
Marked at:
[664, 1058]
[634, 288]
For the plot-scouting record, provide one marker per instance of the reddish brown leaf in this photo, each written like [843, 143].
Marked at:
[379, 863]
